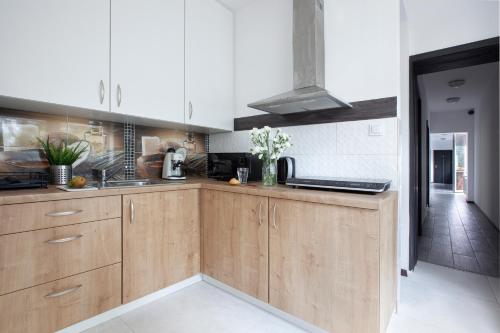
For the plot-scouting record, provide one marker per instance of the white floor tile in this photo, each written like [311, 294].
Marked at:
[450, 281]
[495, 286]
[450, 312]
[401, 323]
[111, 326]
[433, 300]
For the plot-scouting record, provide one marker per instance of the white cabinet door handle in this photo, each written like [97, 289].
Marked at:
[102, 91]
[119, 95]
[190, 110]
[132, 212]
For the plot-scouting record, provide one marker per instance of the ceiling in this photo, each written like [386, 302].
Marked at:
[234, 5]
[434, 89]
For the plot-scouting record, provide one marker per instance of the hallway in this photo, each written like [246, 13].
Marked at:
[456, 234]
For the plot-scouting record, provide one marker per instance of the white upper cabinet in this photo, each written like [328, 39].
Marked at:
[209, 65]
[147, 59]
[55, 51]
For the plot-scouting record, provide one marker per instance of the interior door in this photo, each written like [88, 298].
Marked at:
[56, 51]
[235, 241]
[443, 166]
[161, 241]
[147, 57]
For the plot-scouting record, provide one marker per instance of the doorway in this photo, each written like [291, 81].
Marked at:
[443, 167]
[434, 215]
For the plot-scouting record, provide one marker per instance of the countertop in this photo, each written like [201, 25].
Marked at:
[357, 200]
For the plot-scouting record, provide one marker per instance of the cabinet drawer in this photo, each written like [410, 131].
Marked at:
[53, 306]
[36, 257]
[41, 215]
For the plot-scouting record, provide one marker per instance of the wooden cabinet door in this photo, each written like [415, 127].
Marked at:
[56, 51]
[209, 65]
[161, 240]
[324, 264]
[235, 241]
[147, 57]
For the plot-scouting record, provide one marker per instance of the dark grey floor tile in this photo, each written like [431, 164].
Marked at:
[441, 239]
[462, 248]
[423, 254]
[427, 232]
[466, 263]
[441, 230]
[475, 235]
[440, 254]
[425, 242]
[481, 245]
[472, 227]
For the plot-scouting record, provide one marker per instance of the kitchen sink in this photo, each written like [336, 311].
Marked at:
[131, 183]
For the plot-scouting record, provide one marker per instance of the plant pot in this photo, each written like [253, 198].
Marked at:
[60, 174]
[269, 173]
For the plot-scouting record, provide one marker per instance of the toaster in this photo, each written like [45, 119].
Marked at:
[286, 169]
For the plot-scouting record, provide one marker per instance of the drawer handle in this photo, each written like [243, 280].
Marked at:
[65, 213]
[63, 292]
[64, 240]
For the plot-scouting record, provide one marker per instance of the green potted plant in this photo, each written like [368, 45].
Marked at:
[61, 158]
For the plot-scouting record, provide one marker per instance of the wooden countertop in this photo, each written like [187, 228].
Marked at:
[366, 201]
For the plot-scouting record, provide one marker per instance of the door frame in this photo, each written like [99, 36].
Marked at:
[471, 54]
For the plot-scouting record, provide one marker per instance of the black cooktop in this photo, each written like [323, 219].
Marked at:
[343, 184]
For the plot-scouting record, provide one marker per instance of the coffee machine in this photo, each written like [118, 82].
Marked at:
[172, 165]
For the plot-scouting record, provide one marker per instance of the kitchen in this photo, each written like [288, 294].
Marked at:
[200, 165]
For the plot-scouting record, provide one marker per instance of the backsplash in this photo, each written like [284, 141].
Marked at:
[114, 146]
[333, 150]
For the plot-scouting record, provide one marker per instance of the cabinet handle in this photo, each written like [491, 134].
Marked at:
[274, 217]
[63, 292]
[132, 212]
[64, 240]
[260, 213]
[102, 92]
[64, 213]
[119, 95]
[190, 110]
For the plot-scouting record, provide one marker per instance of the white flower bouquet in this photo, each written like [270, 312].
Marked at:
[269, 149]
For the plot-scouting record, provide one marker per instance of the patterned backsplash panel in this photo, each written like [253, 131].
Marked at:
[110, 145]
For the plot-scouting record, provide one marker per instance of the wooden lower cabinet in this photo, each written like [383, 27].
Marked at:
[161, 240]
[52, 306]
[326, 265]
[235, 240]
[35, 257]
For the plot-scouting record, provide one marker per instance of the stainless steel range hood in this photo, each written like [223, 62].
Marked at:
[309, 93]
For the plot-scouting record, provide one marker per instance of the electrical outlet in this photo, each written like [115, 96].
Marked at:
[375, 130]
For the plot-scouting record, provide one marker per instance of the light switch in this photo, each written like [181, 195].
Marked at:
[375, 130]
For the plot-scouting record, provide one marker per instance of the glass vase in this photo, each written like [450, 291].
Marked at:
[269, 173]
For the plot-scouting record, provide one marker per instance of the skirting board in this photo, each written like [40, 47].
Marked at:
[122, 309]
[264, 306]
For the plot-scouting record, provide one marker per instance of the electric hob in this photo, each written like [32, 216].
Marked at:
[343, 184]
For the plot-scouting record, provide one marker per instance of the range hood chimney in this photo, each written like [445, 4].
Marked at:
[309, 93]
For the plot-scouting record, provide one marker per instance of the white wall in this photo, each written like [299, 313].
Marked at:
[487, 154]
[438, 24]
[454, 122]
[361, 50]
[404, 142]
